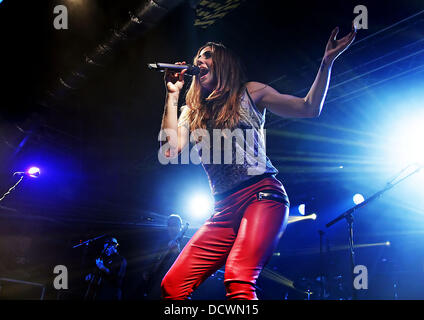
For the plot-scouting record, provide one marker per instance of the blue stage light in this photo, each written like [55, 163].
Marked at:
[406, 140]
[301, 209]
[33, 172]
[358, 198]
[201, 206]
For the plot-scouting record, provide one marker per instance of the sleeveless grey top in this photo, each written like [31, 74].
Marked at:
[232, 157]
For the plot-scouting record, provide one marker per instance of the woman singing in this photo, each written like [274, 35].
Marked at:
[251, 205]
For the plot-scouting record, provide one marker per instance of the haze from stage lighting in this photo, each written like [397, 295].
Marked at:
[201, 206]
[75, 2]
[405, 143]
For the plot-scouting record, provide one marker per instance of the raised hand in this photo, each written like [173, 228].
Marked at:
[336, 47]
[174, 81]
[99, 263]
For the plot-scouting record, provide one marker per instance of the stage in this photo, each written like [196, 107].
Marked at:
[80, 164]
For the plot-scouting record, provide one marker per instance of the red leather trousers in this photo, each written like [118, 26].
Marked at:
[242, 234]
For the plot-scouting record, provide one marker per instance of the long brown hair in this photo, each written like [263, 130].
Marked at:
[222, 104]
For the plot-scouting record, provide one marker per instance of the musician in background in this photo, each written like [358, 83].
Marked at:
[105, 283]
[168, 250]
[175, 224]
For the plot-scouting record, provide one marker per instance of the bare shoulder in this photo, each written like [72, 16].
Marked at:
[256, 91]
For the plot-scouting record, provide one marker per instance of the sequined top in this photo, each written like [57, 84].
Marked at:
[232, 157]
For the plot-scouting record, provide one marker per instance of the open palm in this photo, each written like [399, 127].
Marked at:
[336, 47]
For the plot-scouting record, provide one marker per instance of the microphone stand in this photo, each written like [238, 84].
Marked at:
[348, 215]
[11, 189]
[22, 175]
[90, 292]
[85, 250]
[321, 264]
[88, 241]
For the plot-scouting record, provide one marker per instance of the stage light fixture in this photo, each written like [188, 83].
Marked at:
[358, 198]
[301, 209]
[201, 206]
[33, 172]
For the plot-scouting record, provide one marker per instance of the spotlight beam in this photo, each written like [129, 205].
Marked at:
[348, 215]
[312, 137]
[308, 217]
[389, 185]
[313, 250]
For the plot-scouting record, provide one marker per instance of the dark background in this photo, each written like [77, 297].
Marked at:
[96, 144]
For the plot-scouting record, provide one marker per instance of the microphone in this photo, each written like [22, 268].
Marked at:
[158, 66]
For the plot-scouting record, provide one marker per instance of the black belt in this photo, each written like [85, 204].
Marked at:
[245, 184]
[273, 195]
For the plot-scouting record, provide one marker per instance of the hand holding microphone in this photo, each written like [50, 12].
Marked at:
[159, 66]
[174, 81]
